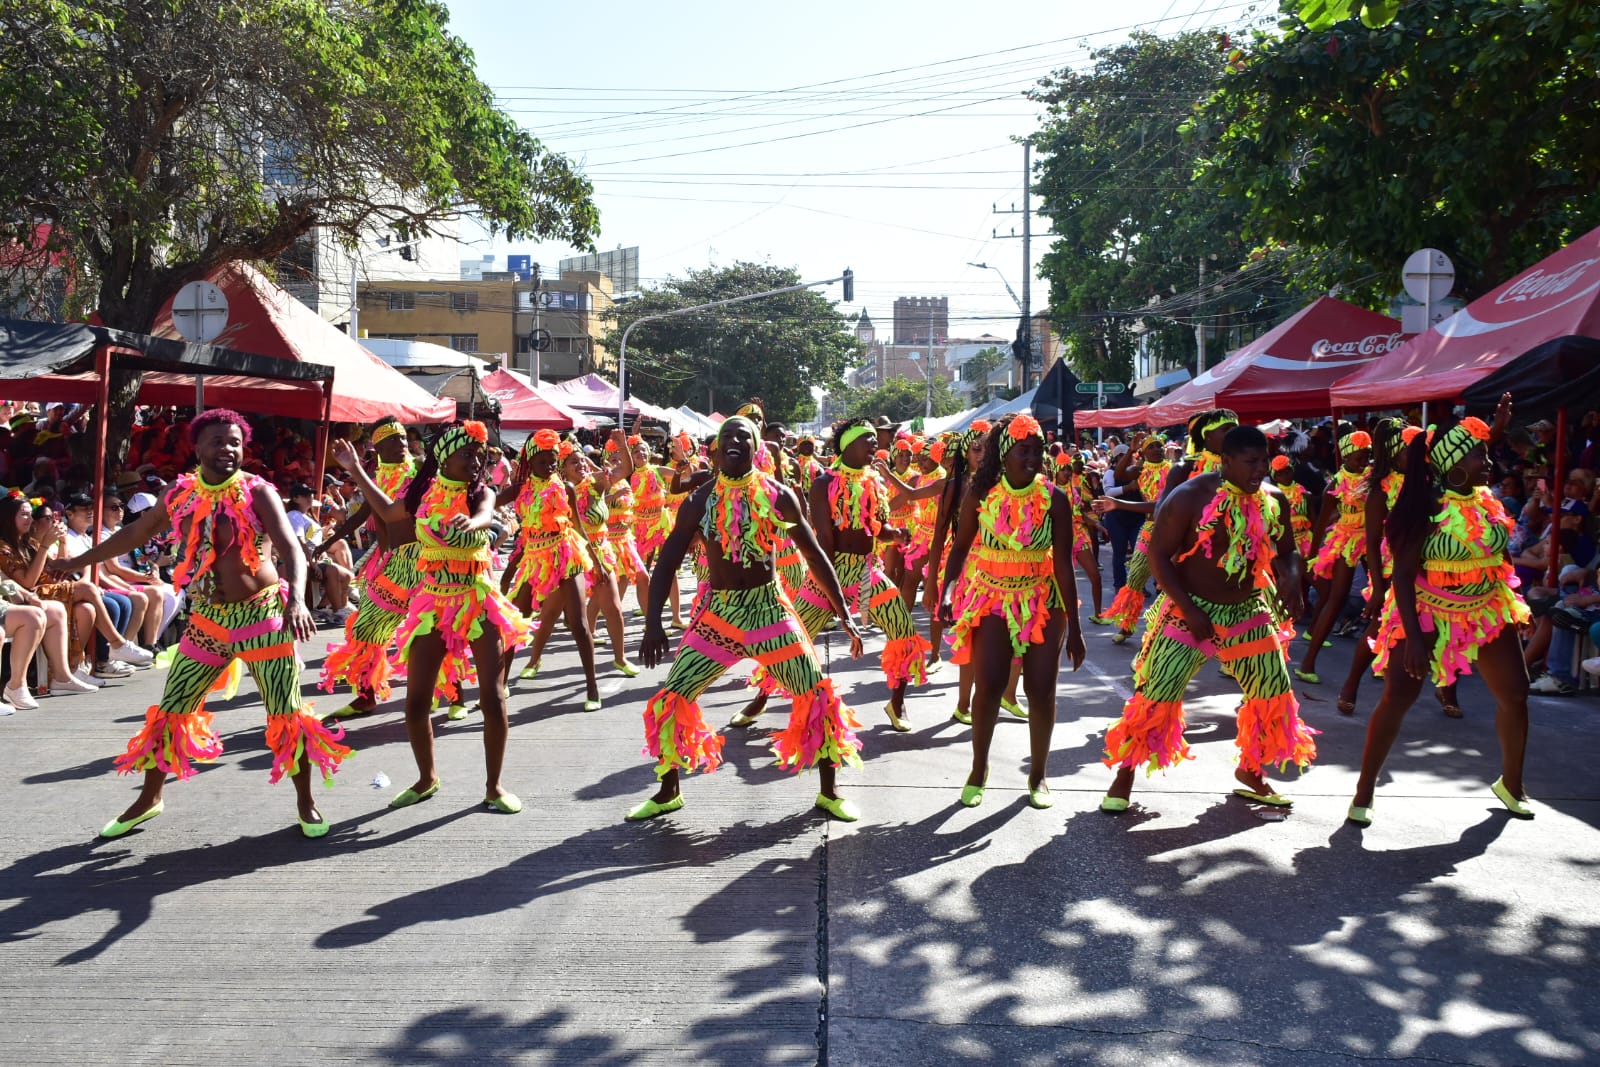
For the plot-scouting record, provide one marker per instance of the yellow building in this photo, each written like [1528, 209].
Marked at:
[498, 316]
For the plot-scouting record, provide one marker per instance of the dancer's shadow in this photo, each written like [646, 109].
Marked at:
[593, 857]
[60, 884]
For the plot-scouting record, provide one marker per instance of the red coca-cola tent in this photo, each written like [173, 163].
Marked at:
[1111, 418]
[523, 408]
[1288, 371]
[1557, 297]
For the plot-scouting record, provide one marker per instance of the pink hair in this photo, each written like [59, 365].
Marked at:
[216, 416]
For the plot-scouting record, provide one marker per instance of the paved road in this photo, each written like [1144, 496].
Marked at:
[748, 930]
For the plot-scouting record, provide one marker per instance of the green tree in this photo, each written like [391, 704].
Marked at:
[1115, 177]
[1472, 126]
[901, 399]
[775, 348]
[151, 142]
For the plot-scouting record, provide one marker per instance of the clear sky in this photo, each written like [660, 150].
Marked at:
[876, 135]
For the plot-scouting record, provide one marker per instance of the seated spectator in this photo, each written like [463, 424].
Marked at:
[1576, 612]
[30, 623]
[140, 575]
[126, 605]
[1577, 538]
[24, 551]
[1513, 494]
[334, 579]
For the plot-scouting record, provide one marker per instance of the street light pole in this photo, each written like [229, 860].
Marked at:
[916, 361]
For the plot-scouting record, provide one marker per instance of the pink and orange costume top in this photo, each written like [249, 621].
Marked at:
[551, 548]
[1466, 593]
[652, 518]
[742, 519]
[220, 635]
[1346, 538]
[1010, 570]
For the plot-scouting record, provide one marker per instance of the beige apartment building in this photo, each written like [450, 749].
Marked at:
[499, 316]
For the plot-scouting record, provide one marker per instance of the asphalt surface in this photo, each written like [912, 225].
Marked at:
[748, 929]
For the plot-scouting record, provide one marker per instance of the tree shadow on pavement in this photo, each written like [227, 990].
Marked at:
[1208, 942]
[473, 1035]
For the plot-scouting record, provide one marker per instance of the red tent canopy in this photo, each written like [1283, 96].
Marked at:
[1111, 418]
[523, 408]
[1288, 371]
[267, 321]
[1557, 297]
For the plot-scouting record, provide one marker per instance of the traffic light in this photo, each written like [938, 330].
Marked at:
[1022, 347]
[849, 287]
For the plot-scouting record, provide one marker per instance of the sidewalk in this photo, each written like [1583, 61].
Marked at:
[1197, 929]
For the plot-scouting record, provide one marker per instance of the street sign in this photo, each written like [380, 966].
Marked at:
[1101, 387]
[200, 312]
[1428, 275]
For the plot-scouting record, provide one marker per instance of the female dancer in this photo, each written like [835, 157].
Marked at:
[686, 460]
[551, 557]
[1018, 601]
[590, 487]
[901, 466]
[1452, 602]
[631, 572]
[365, 661]
[1152, 479]
[1343, 526]
[239, 609]
[1070, 477]
[458, 623]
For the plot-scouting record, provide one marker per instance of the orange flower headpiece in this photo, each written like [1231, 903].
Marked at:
[685, 442]
[546, 440]
[634, 439]
[567, 447]
[1020, 428]
[1354, 442]
[456, 438]
[882, 453]
[936, 451]
[1280, 463]
[903, 443]
[982, 425]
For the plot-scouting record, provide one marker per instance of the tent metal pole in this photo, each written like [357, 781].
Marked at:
[322, 436]
[102, 370]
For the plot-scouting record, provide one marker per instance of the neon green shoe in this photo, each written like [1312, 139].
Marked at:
[315, 829]
[630, 670]
[1518, 807]
[505, 803]
[408, 796]
[1041, 797]
[1114, 805]
[118, 827]
[1359, 815]
[651, 808]
[840, 808]
[1309, 677]
[962, 717]
[1014, 708]
[456, 713]
[529, 673]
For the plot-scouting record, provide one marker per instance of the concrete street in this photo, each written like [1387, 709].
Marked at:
[748, 929]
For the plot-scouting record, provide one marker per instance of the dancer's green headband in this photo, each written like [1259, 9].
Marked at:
[456, 438]
[852, 434]
[747, 423]
[1220, 417]
[1452, 446]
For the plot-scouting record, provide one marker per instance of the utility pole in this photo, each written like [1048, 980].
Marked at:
[1200, 324]
[535, 363]
[1025, 337]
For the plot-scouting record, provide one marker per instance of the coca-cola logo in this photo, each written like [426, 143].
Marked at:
[1536, 284]
[1374, 344]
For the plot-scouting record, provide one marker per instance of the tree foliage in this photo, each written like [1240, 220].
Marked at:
[1115, 177]
[976, 371]
[1472, 126]
[161, 139]
[902, 399]
[775, 348]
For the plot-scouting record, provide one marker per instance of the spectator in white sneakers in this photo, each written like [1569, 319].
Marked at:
[30, 622]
